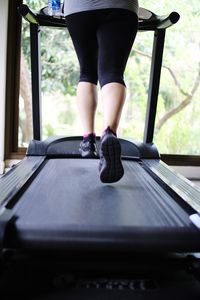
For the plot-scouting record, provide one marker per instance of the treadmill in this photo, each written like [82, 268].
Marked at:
[66, 235]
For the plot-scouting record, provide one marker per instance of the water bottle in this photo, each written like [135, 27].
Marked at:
[54, 7]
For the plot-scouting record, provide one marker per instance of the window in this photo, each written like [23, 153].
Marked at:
[177, 124]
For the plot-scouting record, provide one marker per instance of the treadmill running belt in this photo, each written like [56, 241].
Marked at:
[67, 206]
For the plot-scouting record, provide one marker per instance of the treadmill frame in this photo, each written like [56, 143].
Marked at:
[39, 151]
[152, 22]
[14, 183]
[152, 275]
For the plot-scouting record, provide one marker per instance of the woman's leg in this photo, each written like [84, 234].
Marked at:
[115, 39]
[87, 103]
[82, 29]
[113, 97]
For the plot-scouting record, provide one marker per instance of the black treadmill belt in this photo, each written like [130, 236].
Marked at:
[67, 206]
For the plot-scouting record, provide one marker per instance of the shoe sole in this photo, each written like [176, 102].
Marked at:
[112, 169]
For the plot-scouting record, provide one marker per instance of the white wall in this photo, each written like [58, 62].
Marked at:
[3, 46]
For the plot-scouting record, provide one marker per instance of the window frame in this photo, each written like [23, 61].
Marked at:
[12, 82]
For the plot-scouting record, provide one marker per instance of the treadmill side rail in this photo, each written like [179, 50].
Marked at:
[176, 182]
[5, 216]
[14, 180]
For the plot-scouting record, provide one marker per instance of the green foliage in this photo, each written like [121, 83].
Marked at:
[60, 72]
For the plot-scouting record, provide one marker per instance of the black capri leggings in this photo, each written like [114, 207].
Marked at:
[103, 40]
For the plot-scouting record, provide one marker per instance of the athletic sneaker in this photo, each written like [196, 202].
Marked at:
[88, 146]
[110, 166]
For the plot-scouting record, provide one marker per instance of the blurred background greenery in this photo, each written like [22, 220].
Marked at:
[177, 121]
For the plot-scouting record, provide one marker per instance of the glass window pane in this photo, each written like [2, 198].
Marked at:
[177, 121]
[137, 81]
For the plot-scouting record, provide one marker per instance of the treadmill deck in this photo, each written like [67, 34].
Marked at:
[66, 206]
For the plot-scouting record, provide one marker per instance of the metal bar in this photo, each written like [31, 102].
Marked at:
[180, 185]
[36, 79]
[154, 83]
[14, 180]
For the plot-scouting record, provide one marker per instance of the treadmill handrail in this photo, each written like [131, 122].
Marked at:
[28, 14]
[167, 21]
[154, 22]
